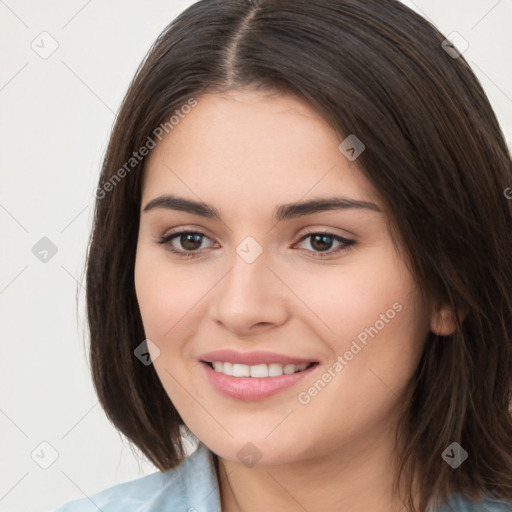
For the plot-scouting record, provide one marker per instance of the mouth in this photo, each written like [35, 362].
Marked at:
[257, 371]
[255, 382]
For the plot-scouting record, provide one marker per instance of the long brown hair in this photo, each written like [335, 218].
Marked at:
[434, 151]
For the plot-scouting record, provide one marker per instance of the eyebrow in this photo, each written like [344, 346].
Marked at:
[283, 212]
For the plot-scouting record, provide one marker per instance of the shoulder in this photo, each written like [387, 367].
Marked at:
[191, 486]
[460, 503]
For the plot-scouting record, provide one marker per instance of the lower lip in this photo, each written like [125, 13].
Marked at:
[253, 388]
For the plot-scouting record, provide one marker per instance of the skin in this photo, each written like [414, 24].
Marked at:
[245, 153]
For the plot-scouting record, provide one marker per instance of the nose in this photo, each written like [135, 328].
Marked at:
[251, 299]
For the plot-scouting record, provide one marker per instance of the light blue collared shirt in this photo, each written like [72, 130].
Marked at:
[192, 487]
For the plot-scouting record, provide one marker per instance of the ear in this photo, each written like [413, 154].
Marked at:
[443, 321]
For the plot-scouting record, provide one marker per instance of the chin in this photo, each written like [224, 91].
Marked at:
[256, 450]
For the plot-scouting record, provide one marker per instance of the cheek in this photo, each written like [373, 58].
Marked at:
[351, 298]
[378, 324]
[378, 357]
[164, 293]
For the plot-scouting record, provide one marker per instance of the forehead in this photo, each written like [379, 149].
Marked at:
[255, 149]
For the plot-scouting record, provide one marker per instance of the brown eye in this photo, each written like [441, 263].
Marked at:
[323, 242]
[189, 243]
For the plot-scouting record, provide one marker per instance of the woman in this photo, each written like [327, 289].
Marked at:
[301, 259]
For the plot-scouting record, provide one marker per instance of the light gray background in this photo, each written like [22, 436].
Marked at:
[56, 114]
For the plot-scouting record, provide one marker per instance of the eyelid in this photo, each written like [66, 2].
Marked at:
[171, 235]
[326, 232]
[346, 243]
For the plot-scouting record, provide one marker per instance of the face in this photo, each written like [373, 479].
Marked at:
[313, 286]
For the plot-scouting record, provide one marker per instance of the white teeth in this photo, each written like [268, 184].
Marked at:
[288, 368]
[275, 370]
[227, 369]
[257, 370]
[241, 370]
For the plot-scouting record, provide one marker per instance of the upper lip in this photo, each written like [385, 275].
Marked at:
[252, 358]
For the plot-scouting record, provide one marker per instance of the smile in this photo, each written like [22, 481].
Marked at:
[258, 370]
[251, 383]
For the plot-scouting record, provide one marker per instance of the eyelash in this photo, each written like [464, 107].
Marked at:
[347, 243]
